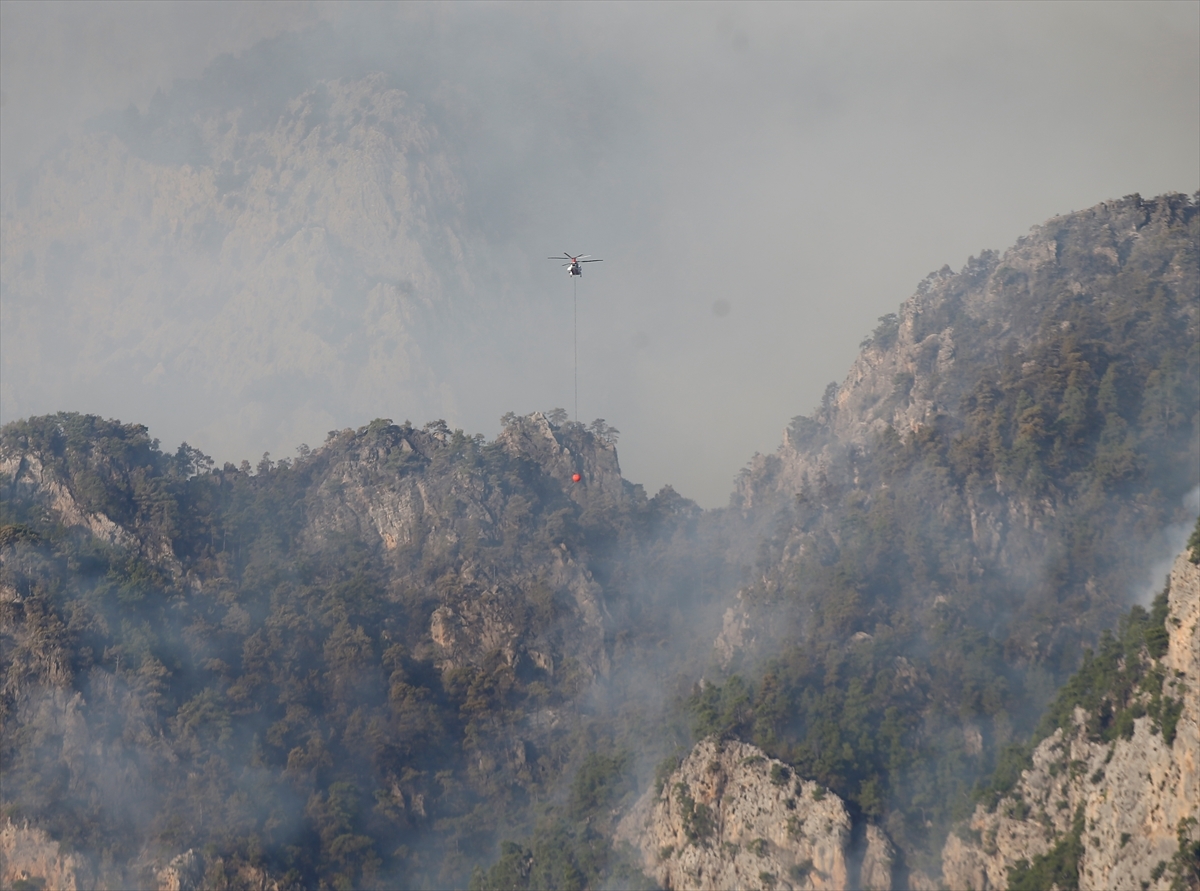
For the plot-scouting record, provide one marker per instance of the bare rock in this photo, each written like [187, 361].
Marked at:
[183, 873]
[878, 863]
[565, 450]
[29, 475]
[30, 854]
[379, 486]
[730, 817]
[1135, 795]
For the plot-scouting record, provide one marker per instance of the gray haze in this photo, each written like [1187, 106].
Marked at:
[762, 181]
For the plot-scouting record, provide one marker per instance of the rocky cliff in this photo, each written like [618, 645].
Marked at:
[400, 490]
[1012, 381]
[1048, 318]
[921, 363]
[29, 855]
[928, 540]
[730, 817]
[1109, 815]
[411, 639]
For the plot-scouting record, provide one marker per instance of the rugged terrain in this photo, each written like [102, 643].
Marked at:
[1028, 377]
[413, 656]
[929, 555]
[729, 817]
[397, 634]
[1115, 813]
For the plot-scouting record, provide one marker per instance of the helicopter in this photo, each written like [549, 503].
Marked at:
[573, 262]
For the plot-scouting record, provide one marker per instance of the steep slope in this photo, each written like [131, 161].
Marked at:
[1058, 377]
[969, 509]
[351, 668]
[1110, 800]
[729, 817]
[374, 663]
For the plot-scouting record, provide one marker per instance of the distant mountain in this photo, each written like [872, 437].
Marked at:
[415, 657]
[254, 269]
[299, 239]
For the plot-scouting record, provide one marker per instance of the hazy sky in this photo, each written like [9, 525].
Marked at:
[771, 177]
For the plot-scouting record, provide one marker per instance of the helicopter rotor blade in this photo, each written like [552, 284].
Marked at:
[590, 261]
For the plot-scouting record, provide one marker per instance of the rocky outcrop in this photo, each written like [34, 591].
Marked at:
[374, 487]
[917, 452]
[477, 619]
[1127, 802]
[908, 373]
[30, 855]
[182, 873]
[27, 477]
[400, 486]
[80, 490]
[878, 867]
[565, 450]
[730, 817]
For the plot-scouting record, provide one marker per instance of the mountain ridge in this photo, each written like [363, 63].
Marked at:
[417, 643]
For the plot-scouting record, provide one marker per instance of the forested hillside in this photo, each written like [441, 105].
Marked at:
[346, 669]
[977, 501]
[412, 656]
[1106, 793]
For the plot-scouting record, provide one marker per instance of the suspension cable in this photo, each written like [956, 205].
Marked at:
[575, 303]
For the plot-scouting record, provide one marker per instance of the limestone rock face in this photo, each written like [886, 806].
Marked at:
[478, 618]
[31, 854]
[906, 374]
[183, 873]
[30, 478]
[374, 488]
[560, 453]
[878, 861]
[27, 475]
[1134, 793]
[919, 370]
[729, 817]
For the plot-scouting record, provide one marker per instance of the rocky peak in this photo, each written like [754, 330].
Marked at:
[96, 477]
[908, 374]
[564, 449]
[730, 817]
[430, 493]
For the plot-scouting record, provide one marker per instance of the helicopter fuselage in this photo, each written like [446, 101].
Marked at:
[575, 264]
